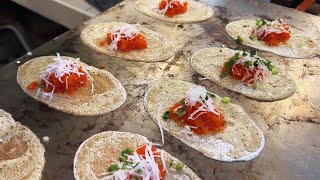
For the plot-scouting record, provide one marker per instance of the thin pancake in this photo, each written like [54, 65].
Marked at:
[95, 155]
[196, 12]
[21, 153]
[108, 94]
[298, 46]
[242, 140]
[159, 47]
[209, 63]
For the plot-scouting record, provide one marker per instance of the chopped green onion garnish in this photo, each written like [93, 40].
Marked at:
[123, 158]
[230, 63]
[240, 40]
[170, 163]
[181, 111]
[126, 151]
[125, 166]
[113, 167]
[207, 97]
[245, 25]
[136, 177]
[235, 57]
[253, 52]
[268, 64]
[179, 166]
[254, 86]
[260, 23]
[225, 99]
[271, 66]
[139, 171]
[128, 162]
[223, 75]
[166, 115]
[275, 71]
[211, 94]
[252, 36]
[181, 25]
[247, 63]
[244, 53]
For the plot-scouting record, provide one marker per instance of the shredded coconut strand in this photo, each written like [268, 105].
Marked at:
[199, 94]
[169, 5]
[270, 27]
[59, 68]
[163, 162]
[127, 31]
[159, 125]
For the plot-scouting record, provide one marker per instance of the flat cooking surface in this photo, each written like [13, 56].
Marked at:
[291, 127]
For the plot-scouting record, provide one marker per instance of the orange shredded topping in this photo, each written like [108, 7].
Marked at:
[138, 42]
[33, 86]
[175, 8]
[237, 71]
[73, 80]
[206, 123]
[70, 83]
[274, 39]
[141, 151]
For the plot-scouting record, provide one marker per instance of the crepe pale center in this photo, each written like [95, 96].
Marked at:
[99, 163]
[101, 85]
[12, 148]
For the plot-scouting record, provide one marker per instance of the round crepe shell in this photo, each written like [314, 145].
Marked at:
[98, 104]
[159, 47]
[113, 143]
[298, 46]
[209, 62]
[33, 159]
[242, 140]
[196, 12]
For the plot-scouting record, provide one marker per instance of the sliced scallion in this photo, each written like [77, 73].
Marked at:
[247, 63]
[260, 23]
[181, 111]
[113, 167]
[179, 166]
[254, 86]
[239, 39]
[225, 99]
[252, 36]
[166, 115]
[275, 71]
[123, 158]
[126, 151]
